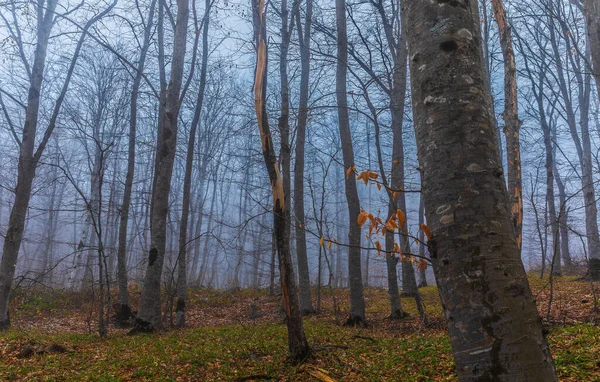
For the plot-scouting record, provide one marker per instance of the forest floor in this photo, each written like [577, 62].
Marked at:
[240, 336]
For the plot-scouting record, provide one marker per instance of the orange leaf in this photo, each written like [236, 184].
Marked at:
[329, 245]
[425, 229]
[401, 218]
[373, 175]
[378, 246]
[379, 186]
[364, 176]
[322, 241]
[391, 224]
[362, 218]
[422, 265]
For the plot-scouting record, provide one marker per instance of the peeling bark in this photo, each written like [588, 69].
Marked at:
[297, 343]
[512, 124]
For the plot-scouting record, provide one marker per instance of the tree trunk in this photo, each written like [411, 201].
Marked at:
[357, 299]
[149, 317]
[303, 270]
[512, 124]
[297, 343]
[124, 313]
[422, 270]
[187, 180]
[493, 323]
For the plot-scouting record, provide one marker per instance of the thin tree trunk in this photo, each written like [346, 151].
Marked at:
[512, 124]
[303, 270]
[357, 298]
[422, 270]
[492, 319]
[187, 180]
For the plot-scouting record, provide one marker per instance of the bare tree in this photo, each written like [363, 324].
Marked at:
[304, 36]
[149, 317]
[357, 298]
[187, 181]
[28, 158]
[124, 313]
[297, 343]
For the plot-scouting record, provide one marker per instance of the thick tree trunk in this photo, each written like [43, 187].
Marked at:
[494, 326]
[512, 124]
[592, 23]
[124, 313]
[303, 270]
[297, 343]
[187, 180]
[357, 299]
[149, 317]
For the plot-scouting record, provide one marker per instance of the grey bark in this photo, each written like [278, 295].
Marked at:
[494, 327]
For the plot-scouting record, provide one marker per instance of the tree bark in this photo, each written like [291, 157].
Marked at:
[149, 317]
[512, 124]
[357, 299]
[591, 10]
[297, 343]
[493, 323]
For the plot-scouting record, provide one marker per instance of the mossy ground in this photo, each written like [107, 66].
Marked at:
[224, 344]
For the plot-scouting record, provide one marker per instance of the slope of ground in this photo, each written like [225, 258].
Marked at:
[239, 335]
